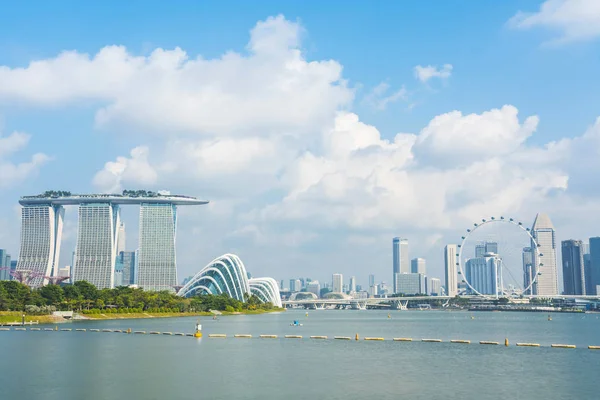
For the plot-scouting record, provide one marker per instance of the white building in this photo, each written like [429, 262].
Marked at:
[543, 232]
[41, 232]
[417, 266]
[401, 262]
[157, 267]
[411, 283]
[450, 261]
[337, 283]
[121, 238]
[482, 273]
[314, 287]
[435, 286]
[96, 249]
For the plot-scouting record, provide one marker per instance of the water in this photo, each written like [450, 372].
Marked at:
[89, 365]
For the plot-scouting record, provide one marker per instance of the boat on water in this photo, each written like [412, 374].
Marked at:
[296, 323]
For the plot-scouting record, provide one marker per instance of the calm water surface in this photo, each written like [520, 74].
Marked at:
[78, 365]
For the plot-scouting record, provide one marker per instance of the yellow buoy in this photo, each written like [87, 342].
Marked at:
[549, 318]
[506, 341]
[389, 316]
[307, 314]
[356, 337]
[198, 333]
[472, 317]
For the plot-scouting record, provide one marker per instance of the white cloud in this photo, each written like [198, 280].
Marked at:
[272, 88]
[426, 73]
[14, 172]
[134, 169]
[574, 19]
[380, 96]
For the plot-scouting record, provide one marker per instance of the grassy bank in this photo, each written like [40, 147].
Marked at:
[15, 316]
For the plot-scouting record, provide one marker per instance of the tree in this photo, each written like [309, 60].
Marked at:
[52, 294]
[87, 290]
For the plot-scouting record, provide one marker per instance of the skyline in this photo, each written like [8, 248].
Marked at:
[312, 172]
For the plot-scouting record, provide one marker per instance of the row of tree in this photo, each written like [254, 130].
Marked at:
[85, 297]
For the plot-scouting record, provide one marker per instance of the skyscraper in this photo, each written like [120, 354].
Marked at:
[594, 264]
[486, 247]
[157, 268]
[293, 285]
[353, 284]
[450, 261]
[4, 265]
[543, 232]
[401, 263]
[127, 261]
[573, 267]
[41, 232]
[434, 286]
[121, 238]
[411, 283]
[96, 249]
[371, 280]
[337, 281]
[482, 274]
[528, 270]
[417, 265]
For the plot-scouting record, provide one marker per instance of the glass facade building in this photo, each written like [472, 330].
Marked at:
[157, 267]
[573, 267]
[41, 231]
[546, 283]
[97, 236]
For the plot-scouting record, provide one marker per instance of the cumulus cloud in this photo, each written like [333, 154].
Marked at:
[574, 19]
[272, 88]
[424, 74]
[133, 169]
[14, 172]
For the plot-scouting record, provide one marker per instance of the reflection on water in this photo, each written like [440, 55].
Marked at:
[87, 365]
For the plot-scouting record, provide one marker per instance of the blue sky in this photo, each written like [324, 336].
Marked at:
[264, 206]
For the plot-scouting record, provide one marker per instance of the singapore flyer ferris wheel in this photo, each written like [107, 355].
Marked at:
[498, 257]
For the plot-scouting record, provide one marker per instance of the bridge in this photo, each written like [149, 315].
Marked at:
[401, 303]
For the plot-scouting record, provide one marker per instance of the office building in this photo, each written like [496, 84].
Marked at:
[281, 285]
[573, 267]
[126, 265]
[337, 283]
[121, 238]
[298, 285]
[450, 269]
[401, 262]
[41, 232]
[435, 286]
[594, 270]
[314, 287]
[543, 232]
[411, 283]
[352, 287]
[528, 269]
[5, 265]
[486, 247]
[371, 280]
[417, 265]
[95, 252]
[482, 274]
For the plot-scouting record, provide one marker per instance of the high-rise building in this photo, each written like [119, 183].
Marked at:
[371, 280]
[281, 285]
[587, 268]
[96, 249]
[528, 270]
[293, 285]
[450, 261]
[157, 268]
[486, 247]
[4, 265]
[41, 232]
[417, 265]
[594, 272]
[337, 282]
[352, 284]
[314, 287]
[121, 238]
[543, 232]
[126, 261]
[298, 285]
[401, 263]
[411, 283]
[482, 274]
[434, 286]
[573, 267]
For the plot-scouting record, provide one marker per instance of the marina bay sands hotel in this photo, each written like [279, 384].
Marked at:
[97, 237]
